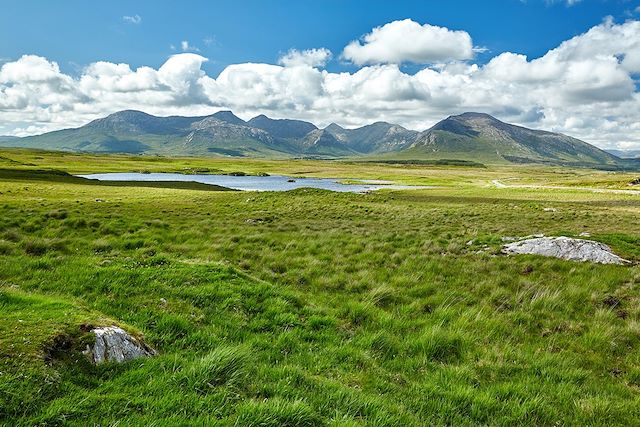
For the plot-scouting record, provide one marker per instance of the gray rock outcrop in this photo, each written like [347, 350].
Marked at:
[565, 248]
[114, 344]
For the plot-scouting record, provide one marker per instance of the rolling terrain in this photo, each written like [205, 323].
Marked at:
[313, 308]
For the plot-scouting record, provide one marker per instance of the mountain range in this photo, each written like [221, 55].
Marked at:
[468, 136]
[625, 154]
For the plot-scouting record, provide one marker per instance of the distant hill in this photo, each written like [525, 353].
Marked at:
[625, 154]
[481, 137]
[471, 137]
[374, 138]
[8, 138]
[136, 132]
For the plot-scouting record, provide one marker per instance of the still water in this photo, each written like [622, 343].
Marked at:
[255, 183]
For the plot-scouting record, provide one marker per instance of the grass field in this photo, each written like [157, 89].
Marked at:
[311, 308]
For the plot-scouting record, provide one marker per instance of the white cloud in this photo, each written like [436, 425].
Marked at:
[408, 41]
[133, 19]
[584, 87]
[186, 47]
[310, 57]
[568, 3]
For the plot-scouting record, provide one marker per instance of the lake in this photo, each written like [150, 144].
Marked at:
[257, 183]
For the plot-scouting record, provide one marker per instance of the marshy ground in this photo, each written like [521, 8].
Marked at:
[308, 307]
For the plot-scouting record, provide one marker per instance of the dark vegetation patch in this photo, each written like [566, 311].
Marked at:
[64, 177]
[435, 162]
[121, 146]
[620, 165]
[226, 152]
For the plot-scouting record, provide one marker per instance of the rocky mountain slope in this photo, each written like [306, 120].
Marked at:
[376, 137]
[481, 137]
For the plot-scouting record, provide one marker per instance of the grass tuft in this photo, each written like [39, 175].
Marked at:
[276, 413]
[226, 365]
[440, 345]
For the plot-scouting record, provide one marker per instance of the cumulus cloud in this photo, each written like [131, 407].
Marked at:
[408, 41]
[133, 19]
[585, 87]
[310, 57]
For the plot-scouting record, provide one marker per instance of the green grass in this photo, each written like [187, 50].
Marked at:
[313, 308]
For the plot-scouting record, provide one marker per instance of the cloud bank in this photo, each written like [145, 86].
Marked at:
[586, 87]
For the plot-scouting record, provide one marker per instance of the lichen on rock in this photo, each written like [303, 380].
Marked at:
[565, 248]
[114, 344]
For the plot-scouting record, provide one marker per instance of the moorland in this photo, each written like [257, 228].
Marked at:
[310, 307]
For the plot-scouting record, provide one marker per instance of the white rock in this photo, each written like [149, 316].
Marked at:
[113, 344]
[565, 248]
[550, 210]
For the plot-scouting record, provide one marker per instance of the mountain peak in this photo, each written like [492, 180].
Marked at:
[481, 136]
[282, 128]
[127, 115]
[474, 115]
[229, 117]
[122, 120]
[334, 127]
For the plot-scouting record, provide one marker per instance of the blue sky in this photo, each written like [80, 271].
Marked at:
[571, 66]
[75, 33]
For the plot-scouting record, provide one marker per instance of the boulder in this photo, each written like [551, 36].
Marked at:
[565, 248]
[114, 344]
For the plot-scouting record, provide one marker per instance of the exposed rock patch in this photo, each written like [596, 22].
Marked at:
[565, 248]
[114, 344]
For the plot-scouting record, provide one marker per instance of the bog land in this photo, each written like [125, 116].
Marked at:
[310, 307]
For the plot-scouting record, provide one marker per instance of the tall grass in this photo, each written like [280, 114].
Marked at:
[384, 309]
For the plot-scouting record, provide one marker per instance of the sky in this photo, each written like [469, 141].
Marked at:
[571, 66]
